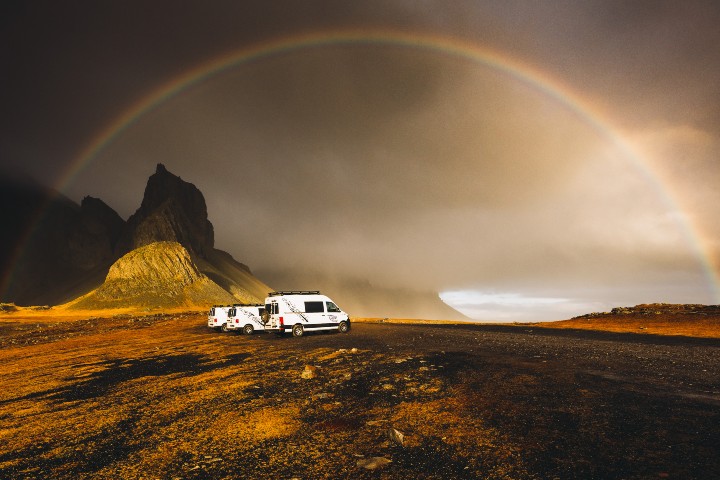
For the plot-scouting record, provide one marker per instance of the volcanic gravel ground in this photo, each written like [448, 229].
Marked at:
[165, 397]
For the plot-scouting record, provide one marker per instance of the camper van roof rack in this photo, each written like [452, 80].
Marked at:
[248, 305]
[293, 292]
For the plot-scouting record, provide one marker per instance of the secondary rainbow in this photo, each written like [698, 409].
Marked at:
[522, 72]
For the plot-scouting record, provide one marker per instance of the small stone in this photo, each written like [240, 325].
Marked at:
[310, 371]
[373, 462]
[396, 436]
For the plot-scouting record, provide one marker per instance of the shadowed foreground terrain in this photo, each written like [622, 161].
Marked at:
[165, 397]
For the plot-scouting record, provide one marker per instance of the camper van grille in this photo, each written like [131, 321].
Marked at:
[293, 292]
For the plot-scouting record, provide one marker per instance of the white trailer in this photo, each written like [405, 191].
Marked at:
[303, 311]
[218, 316]
[246, 319]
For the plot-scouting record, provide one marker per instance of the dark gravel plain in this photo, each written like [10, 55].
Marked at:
[517, 402]
[588, 404]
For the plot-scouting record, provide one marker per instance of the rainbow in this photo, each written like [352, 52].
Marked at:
[484, 56]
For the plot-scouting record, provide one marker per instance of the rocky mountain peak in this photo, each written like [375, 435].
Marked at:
[94, 210]
[171, 210]
[163, 256]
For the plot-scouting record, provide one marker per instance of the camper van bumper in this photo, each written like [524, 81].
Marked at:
[279, 330]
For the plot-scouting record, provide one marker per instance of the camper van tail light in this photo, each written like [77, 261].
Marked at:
[237, 321]
[280, 319]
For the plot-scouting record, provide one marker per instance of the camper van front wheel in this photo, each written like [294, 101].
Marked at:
[343, 327]
[297, 331]
[248, 329]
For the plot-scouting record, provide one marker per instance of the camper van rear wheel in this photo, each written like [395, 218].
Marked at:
[248, 330]
[297, 330]
[343, 327]
[224, 327]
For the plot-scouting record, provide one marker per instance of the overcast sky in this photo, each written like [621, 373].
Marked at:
[405, 166]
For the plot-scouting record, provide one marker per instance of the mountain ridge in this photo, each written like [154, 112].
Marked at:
[77, 252]
[68, 252]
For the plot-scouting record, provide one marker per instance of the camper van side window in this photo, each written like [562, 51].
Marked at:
[331, 307]
[314, 307]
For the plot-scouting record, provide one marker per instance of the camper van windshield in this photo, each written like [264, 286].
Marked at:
[331, 307]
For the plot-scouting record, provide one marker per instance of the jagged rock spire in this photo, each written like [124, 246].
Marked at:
[172, 210]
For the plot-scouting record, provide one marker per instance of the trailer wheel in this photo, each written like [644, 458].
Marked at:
[224, 327]
[343, 327]
[298, 330]
[248, 329]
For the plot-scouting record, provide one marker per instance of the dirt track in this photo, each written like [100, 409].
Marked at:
[168, 398]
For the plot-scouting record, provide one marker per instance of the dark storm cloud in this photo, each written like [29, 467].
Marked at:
[431, 192]
[400, 166]
[70, 67]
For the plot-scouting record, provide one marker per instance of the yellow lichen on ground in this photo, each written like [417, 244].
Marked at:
[257, 425]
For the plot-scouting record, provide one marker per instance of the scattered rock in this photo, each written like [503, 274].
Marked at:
[656, 309]
[396, 436]
[311, 371]
[373, 462]
[8, 307]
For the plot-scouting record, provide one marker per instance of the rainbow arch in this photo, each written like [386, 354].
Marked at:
[488, 57]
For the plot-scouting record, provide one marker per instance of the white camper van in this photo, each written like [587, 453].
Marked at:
[246, 319]
[218, 316]
[301, 311]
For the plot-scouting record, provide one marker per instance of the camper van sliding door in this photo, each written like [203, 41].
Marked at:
[315, 312]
